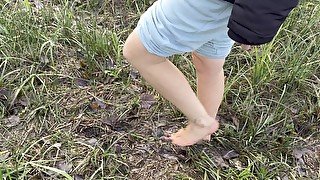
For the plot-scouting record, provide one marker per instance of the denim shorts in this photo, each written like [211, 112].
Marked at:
[171, 27]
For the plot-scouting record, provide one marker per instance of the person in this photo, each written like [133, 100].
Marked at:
[207, 29]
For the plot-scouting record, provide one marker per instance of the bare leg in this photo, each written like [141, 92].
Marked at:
[171, 84]
[210, 85]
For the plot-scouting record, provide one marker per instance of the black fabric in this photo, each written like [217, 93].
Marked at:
[230, 1]
[255, 22]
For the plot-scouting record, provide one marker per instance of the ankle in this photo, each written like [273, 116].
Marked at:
[203, 121]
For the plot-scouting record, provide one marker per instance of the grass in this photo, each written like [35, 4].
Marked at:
[71, 107]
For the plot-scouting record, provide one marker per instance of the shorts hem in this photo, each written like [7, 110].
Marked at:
[146, 45]
[216, 57]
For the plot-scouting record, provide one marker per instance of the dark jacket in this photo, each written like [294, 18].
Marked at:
[255, 22]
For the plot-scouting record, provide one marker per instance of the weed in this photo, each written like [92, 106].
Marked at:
[70, 105]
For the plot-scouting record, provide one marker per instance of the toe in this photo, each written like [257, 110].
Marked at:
[180, 142]
[166, 138]
[207, 138]
[178, 133]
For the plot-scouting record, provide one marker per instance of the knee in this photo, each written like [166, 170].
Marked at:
[127, 50]
[132, 47]
[207, 66]
[133, 50]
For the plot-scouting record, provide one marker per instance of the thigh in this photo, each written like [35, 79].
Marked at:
[137, 54]
[207, 66]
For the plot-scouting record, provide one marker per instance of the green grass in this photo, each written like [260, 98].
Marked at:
[72, 107]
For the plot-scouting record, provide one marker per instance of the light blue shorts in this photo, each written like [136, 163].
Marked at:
[171, 27]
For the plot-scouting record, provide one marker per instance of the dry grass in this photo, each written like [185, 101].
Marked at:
[71, 107]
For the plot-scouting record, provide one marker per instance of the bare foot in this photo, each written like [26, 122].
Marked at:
[208, 138]
[195, 131]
